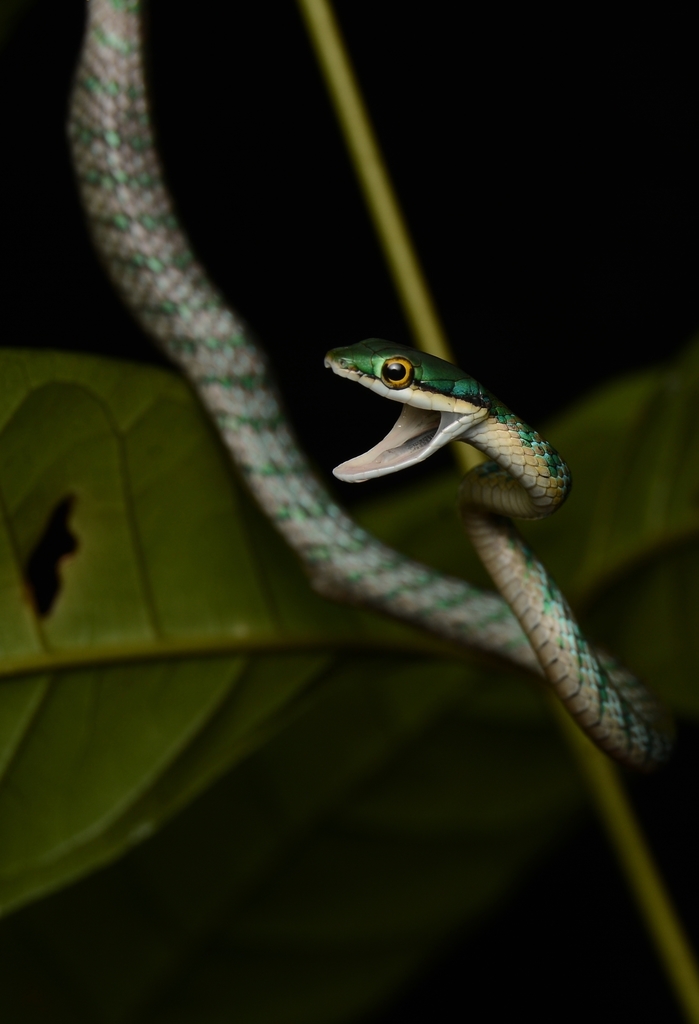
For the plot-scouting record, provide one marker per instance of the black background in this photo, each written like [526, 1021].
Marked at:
[548, 171]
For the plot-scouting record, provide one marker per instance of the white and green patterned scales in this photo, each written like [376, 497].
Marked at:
[149, 259]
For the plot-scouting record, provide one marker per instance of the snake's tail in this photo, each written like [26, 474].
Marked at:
[614, 708]
[149, 259]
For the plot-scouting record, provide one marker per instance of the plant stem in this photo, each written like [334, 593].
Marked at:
[375, 183]
[600, 775]
[645, 881]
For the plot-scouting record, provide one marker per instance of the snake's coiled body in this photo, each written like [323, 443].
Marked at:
[150, 262]
[527, 479]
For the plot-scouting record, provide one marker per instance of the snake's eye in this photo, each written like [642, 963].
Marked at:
[397, 372]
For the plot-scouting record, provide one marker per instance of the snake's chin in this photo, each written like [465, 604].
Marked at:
[416, 435]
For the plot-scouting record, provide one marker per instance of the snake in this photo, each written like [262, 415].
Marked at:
[145, 252]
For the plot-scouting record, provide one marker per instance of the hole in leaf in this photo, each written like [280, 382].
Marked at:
[42, 574]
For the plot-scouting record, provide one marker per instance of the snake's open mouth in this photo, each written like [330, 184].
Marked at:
[416, 434]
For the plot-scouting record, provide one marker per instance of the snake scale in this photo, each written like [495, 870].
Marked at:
[148, 257]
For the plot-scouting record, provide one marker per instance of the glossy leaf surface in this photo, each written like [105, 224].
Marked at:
[403, 802]
[167, 616]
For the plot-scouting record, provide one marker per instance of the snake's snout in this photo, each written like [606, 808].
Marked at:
[333, 361]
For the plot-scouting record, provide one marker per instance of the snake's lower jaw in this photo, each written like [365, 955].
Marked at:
[416, 435]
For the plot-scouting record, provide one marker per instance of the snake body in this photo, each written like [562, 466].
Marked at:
[526, 479]
[149, 259]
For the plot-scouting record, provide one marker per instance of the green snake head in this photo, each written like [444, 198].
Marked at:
[441, 403]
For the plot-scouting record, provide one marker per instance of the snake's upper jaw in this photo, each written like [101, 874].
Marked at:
[416, 435]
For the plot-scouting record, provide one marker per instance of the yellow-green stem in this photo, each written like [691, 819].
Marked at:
[642, 875]
[373, 177]
[601, 777]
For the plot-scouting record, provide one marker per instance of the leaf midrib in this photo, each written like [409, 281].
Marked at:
[216, 646]
[585, 593]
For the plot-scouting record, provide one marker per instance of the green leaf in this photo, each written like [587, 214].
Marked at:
[183, 633]
[635, 576]
[378, 800]
[397, 796]
[165, 626]
[311, 880]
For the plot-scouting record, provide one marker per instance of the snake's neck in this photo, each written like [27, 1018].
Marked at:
[526, 479]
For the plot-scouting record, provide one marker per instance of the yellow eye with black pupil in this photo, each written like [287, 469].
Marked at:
[397, 372]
